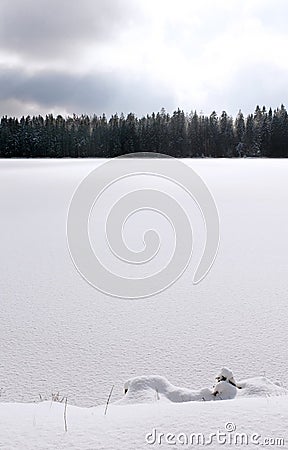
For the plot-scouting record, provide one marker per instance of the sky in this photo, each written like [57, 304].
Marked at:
[113, 56]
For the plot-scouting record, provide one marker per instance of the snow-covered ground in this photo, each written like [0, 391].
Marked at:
[239, 423]
[57, 333]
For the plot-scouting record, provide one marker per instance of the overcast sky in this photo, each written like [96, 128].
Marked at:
[95, 56]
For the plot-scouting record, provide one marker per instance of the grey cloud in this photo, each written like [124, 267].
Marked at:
[215, 21]
[254, 84]
[43, 30]
[91, 93]
[273, 15]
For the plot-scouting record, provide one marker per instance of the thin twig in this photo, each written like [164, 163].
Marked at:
[157, 395]
[108, 400]
[65, 416]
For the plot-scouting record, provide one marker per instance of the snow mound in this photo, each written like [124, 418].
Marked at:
[152, 388]
[149, 389]
[260, 387]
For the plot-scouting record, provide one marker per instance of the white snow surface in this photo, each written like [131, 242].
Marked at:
[41, 426]
[58, 333]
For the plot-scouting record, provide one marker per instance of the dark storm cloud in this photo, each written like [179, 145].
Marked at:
[91, 93]
[44, 30]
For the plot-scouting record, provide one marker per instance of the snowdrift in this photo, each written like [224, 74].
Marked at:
[147, 389]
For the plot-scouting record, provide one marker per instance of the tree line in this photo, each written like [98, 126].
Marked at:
[263, 133]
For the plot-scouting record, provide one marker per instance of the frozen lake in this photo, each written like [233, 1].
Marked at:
[58, 333]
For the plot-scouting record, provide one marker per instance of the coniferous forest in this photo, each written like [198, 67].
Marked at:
[263, 133]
